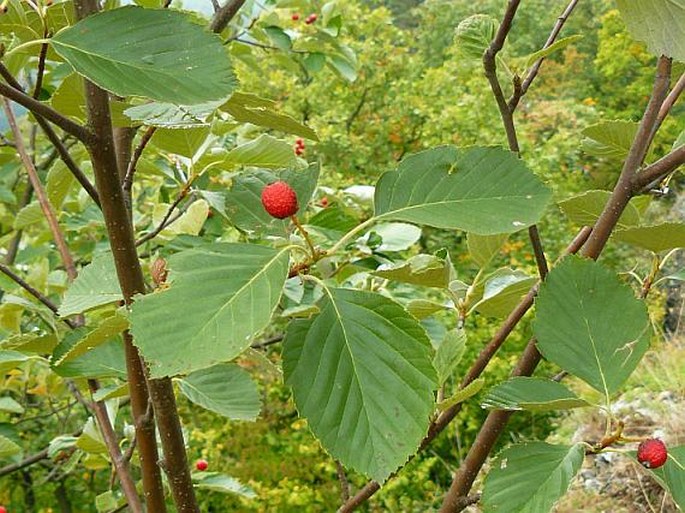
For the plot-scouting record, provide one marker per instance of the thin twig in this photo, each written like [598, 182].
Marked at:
[130, 171]
[41, 68]
[535, 68]
[224, 15]
[659, 169]
[166, 220]
[42, 109]
[121, 465]
[268, 342]
[34, 292]
[668, 103]
[56, 141]
[30, 460]
[40, 194]
[344, 483]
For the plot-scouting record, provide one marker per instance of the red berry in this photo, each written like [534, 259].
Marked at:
[311, 18]
[295, 16]
[279, 200]
[299, 142]
[3, 509]
[299, 151]
[201, 465]
[652, 453]
[324, 202]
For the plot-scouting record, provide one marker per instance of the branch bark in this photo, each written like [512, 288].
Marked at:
[659, 169]
[40, 193]
[130, 275]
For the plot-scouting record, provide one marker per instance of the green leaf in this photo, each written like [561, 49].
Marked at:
[672, 475]
[502, 291]
[425, 270]
[530, 477]
[59, 444]
[215, 482]
[590, 324]
[484, 190]
[483, 248]
[108, 328]
[449, 354]
[265, 151]
[220, 296]
[278, 37]
[462, 394]
[244, 204]
[156, 53]
[58, 184]
[10, 405]
[557, 45]
[244, 108]
[584, 209]
[168, 115]
[107, 360]
[659, 23]
[422, 308]
[533, 394]
[474, 34]
[189, 223]
[657, 238]
[185, 142]
[30, 214]
[91, 440]
[11, 359]
[396, 236]
[96, 285]
[8, 447]
[362, 376]
[342, 66]
[609, 139]
[226, 389]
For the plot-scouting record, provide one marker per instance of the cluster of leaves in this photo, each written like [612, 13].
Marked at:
[361, 352]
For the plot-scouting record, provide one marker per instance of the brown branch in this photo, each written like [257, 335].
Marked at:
[133, 162]
[268, 342]
[121, 465]
[166, 220]
[496, 421]
[37, 107]
[34, 292]
[131, 281]
[668, 103]
[344, 483]
[41, 68]
[30, 460]
[535, 68]
[477, 368]
[623, 190]
[224, 15]
[659, 169]
[40, 193]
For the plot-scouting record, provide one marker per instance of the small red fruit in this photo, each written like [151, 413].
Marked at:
[279, 200]
[299, 151]
[324, 202]
[3, 509]
[201, 465]
[295, 16]
[311, 18]
[652, 453]
[299, 142]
